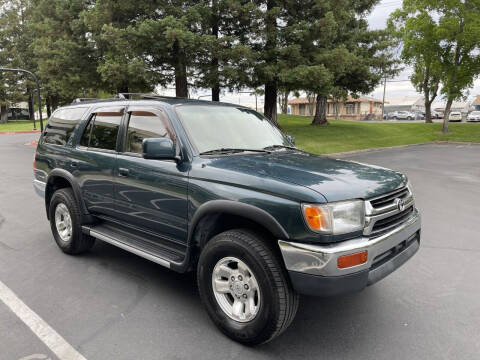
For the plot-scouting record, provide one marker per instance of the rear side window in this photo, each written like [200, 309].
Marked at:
[143, 125]
[102, 129]
[61, 124]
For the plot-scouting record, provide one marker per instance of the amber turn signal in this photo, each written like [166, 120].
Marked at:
[350, 260]
[316, 217]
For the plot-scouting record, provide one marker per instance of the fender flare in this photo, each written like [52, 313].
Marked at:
[248, 211]
[55, 173]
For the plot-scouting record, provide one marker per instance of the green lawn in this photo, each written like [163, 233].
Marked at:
[19, 125]
[342, 136]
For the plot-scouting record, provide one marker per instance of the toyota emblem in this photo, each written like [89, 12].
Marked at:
[400, 204]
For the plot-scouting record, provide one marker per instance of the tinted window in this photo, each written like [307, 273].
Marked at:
[105, 130]
[86, 133]
[61, 124]
[142, 125]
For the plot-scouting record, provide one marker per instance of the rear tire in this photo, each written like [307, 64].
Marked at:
[273, 305]
[66, 223]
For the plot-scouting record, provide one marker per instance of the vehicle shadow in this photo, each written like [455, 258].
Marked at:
[330, 327]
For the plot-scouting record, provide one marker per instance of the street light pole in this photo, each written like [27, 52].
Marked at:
[38, 93]
[383, 101]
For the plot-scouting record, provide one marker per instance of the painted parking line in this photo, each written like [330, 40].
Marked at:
[57, 344]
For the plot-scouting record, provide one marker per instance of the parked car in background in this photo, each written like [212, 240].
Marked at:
[18, 114]
[474, 116]
[455, 116]
[437, 115]
[402, 115]
[419, 115]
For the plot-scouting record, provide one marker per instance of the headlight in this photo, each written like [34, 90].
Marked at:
[410, 188]
[335, 218]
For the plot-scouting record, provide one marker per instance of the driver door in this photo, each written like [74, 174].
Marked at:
[150, 194]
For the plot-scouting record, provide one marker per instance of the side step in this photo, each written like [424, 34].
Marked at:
[142, 246]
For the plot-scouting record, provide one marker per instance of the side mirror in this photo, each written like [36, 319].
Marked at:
[159, 148]
[291, 139]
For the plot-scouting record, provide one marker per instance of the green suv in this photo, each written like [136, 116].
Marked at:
[216, 188]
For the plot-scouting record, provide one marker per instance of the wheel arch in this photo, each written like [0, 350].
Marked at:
[217, 216]
[59, 179]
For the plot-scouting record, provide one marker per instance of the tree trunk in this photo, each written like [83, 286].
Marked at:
[49, 109]
[320, 111]
[54, 103]
[271, 86]
[216, 79]
[446, 116]
[284, 102]
[31, 108]
[3, 114]
[270, 106]
[337, 110]
[181, 85]
[428, 112]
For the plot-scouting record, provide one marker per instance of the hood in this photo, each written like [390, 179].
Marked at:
[334, 179]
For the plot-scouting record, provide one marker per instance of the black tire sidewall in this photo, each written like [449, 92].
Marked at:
[256, 330]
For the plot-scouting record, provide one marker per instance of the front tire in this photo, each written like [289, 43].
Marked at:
[66, 223]
[245, 288]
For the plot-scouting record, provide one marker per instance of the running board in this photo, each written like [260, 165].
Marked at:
[109, 238]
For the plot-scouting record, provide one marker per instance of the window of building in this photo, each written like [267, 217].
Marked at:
[143, 125]
[350, 108]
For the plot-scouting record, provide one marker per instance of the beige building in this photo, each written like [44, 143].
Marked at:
[352, 109]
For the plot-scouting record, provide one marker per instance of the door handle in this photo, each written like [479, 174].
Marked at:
[74, 163]
[123, 172]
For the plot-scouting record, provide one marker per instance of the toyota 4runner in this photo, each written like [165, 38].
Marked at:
[218, 189]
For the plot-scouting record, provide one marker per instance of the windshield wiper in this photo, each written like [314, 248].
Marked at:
[275, 147]
[232, 151]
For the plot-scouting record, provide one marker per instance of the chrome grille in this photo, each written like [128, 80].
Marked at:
[390, 198]
[385, 213]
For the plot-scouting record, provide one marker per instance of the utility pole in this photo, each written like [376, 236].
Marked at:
[38, 93]
[383, 101]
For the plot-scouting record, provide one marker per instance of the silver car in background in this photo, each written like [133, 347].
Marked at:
[474, 116]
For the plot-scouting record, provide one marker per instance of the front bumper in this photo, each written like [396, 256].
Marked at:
[313, 269]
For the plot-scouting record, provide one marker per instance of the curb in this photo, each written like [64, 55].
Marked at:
[346, 153]
[20, 132]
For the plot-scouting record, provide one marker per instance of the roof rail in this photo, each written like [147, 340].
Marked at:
[79, 100]
[143, 96]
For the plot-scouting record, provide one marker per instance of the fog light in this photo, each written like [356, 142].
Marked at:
[350, 260]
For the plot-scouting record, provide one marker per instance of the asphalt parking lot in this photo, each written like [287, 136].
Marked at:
[110, 304]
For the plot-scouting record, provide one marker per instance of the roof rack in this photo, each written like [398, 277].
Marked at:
[80, 100]
[143, 96]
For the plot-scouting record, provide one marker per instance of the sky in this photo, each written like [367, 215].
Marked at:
[396, 88]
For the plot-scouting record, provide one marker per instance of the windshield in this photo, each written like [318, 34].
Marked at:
[476, 113]
[225, 127]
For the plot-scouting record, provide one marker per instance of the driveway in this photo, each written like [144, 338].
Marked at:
[110, 304]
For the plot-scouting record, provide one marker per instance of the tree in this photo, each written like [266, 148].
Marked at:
[108, 24]
[334, 50]
[63, 50]
[416, 27]
[15, 53]
[224, 59]
[459, 31]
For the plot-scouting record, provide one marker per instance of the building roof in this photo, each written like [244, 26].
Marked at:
[476, 101]
[456, 105]
[304, 100]
[407, 101]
